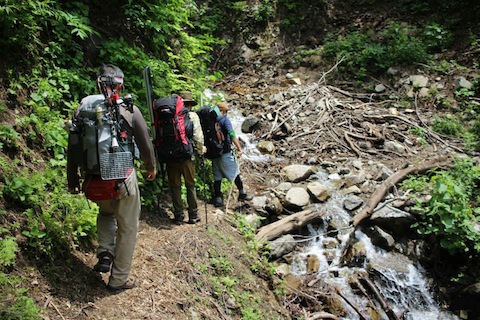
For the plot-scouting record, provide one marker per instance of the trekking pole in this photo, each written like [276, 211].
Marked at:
[239, 159]
[205, 190]
[204, 175]
[232, 182]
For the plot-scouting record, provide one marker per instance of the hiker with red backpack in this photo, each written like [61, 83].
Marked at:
[226, 165]
[178, 167]
[104, 133]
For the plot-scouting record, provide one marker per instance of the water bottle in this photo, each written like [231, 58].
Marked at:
[99, 113]
[68, 125]
[114, 142]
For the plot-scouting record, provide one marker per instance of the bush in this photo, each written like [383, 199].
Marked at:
[13, 303]
[452, 212]
[366, 52]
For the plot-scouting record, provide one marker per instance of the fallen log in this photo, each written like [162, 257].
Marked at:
[323, 315]
[285, 225]
[391, 181]
[354, 307]
[379, 297]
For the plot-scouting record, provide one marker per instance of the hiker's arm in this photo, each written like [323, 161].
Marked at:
[142, 137]
[236, 142]
[198, 138]
[73, 178]
[229, 127]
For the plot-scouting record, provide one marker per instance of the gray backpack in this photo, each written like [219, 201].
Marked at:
[97, 145]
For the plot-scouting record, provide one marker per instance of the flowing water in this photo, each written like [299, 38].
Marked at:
[403, 285]
[249, 149]
[406, 291]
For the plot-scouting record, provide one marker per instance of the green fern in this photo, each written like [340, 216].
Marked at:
[8, 251]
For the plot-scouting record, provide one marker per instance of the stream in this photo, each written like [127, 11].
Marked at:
[402, 284]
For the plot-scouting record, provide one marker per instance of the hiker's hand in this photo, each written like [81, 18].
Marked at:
[239, 152]
[74, 190]
[151, 175]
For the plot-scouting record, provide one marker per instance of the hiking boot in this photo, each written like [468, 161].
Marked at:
[105, 260]
[193, 218]
[218, 202]
[243, 195]
[129, 284]
[178, 218]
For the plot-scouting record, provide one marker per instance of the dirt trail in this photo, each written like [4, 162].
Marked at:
[172, 266]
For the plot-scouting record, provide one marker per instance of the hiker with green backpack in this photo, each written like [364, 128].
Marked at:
[104, 134]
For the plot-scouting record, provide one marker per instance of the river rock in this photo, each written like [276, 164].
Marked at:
[352, 202]
[393, 220]
[379, 88]
[356, 255]
[282, 269]
[418, 81]
[354, 178]
[461, 82]
[394, 146]
[281, 246]
[273, 205]
[297, 172]
[284, 186]
[338, 224]
[250, 123]
[292, 282]
[424, 93]
[351, 190]
[297, 198]
[416, 249]
[258, 203]
[386, 263]
[266, 147]
[275, 98]
[318, 191]
[381, 172]
[381, 238]
[253, 220]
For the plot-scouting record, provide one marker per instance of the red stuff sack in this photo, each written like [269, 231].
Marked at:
[96, 189]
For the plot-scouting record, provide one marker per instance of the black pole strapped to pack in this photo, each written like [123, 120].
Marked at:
[147, 79]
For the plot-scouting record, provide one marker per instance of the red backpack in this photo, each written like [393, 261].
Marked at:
[174, 130]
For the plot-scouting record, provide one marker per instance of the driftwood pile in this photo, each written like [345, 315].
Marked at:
[324, 120]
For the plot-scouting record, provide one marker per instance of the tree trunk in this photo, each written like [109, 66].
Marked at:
[389, 183]
[292, 222]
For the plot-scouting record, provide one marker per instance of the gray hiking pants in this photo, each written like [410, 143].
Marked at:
[117, 227]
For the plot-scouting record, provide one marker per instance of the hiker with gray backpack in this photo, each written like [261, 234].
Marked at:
[104, 134]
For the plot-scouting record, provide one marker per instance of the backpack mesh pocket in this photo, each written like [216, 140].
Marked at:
[116, 165]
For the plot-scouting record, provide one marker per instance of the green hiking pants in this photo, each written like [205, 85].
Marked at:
[175, 172]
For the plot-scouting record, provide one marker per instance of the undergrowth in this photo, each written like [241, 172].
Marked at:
[447, 206]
